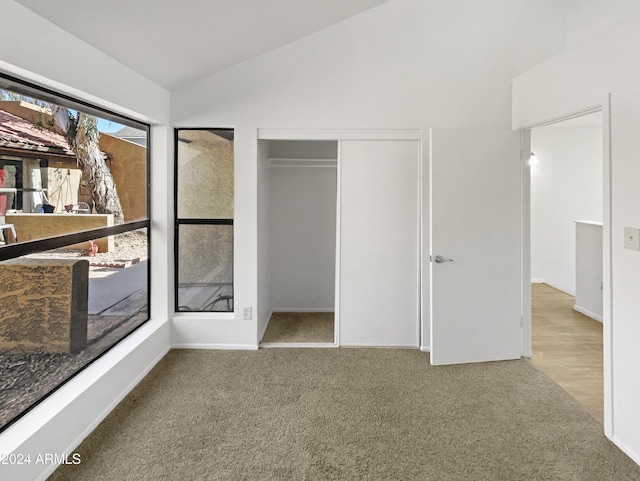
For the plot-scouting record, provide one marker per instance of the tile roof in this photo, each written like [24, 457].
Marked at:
[18, 133]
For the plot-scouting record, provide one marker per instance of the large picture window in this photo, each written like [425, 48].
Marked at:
[204, 220]
[74, 236]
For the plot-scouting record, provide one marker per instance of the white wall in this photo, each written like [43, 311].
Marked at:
[303, 238]
[405, 64]
[586, 19]
[40, 52]
[302, 225]
[575, 79]
[303, 149]
[589, 269]
[565, 186]
[34, 47]
[265, 303]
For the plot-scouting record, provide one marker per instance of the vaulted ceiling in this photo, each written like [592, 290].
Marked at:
[173, 42]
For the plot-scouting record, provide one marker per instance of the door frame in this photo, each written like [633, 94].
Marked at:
[339, 135]
[607, 318]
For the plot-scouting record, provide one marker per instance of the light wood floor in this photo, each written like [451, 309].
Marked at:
[567, 346]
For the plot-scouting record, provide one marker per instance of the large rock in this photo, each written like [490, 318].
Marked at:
[43, 305]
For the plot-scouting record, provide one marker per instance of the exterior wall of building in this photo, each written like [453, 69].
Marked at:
[41, 226]
[129, 169]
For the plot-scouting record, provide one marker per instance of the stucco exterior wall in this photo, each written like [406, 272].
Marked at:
[205, 175]
[43, 306]
[40, 226]
[205, 191]
[129, 170]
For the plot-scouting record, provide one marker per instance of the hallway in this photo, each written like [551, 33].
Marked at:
[567, 346]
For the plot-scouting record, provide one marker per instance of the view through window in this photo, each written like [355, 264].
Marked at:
[74, 232]
[204, 219]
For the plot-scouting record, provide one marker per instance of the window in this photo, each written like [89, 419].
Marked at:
[204, 220]
[73, 260]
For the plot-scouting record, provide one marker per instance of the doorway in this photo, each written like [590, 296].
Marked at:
[11, 175]
[566, 221]
[298, 220]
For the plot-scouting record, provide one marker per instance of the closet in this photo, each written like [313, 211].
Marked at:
[301, 194]
[339, 232]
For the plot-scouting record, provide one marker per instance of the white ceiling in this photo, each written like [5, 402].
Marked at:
[173, 42]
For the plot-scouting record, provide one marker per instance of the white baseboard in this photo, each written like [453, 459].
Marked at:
[634, 455]
[379, 346]
[215, 346]
[322, 345]
[304, 309]
[537, 281]
[425, 348]
[561, 289]
[587, 313]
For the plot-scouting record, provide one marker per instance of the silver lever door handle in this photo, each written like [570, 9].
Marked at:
[440, 259]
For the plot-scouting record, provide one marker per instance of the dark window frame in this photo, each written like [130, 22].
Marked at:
[178, 221]
[8, 82]
[12, 251]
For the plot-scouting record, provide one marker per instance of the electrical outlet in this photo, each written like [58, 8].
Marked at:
[246, 313]
[632, 238]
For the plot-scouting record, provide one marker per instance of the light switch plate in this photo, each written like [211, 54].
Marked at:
[632, 238]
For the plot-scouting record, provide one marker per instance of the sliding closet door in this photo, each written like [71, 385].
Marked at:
[379, 232]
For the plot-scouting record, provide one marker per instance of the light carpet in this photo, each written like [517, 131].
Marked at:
[345, 414]
[300, 327]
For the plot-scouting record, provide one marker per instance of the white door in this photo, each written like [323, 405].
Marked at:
[475, 222]
[379, 248]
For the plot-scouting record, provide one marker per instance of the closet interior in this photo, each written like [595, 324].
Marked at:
[297, 222]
